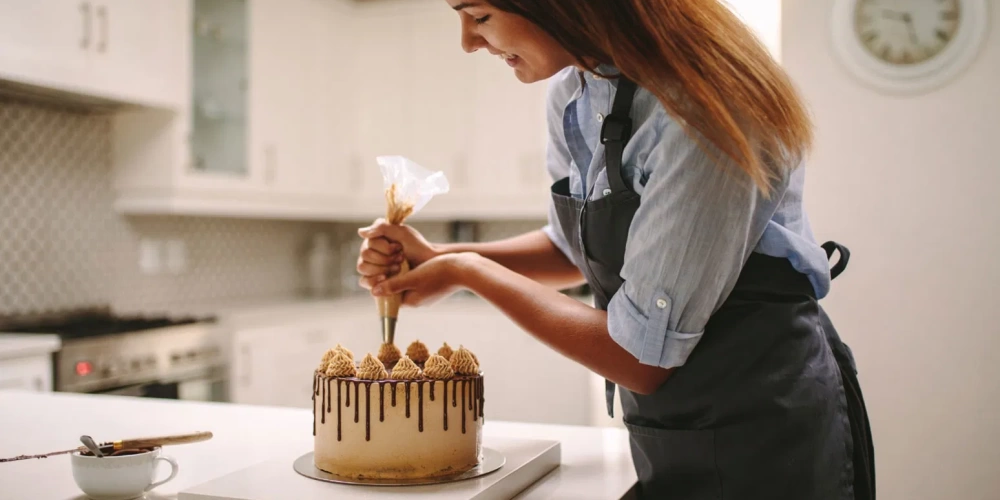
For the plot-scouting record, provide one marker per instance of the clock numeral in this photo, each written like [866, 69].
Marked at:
[869, 37]
[906, 57]
[950, 15]
[885, 52]
[943, 35]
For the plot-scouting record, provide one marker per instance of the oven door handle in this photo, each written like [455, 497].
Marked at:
[135, 390]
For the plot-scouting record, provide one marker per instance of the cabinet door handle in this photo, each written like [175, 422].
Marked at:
[245, 379]
[102, 16]
[85, 12]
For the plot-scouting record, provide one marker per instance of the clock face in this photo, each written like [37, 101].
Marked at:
[906, 32]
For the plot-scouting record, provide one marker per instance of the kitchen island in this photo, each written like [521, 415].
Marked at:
[595, 461]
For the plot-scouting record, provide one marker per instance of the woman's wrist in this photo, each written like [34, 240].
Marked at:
[465, 268]
[440, 249]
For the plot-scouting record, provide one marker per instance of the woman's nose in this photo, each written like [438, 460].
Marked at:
[471, 41]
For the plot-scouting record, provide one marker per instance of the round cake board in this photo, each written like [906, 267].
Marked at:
[492, 460]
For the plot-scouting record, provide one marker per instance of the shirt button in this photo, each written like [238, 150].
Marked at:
[661, 303]
[600, 118]
[606, 192]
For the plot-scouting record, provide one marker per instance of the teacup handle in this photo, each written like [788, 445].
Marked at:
[173, 471]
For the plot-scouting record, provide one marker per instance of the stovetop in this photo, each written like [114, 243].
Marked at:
[92, 323]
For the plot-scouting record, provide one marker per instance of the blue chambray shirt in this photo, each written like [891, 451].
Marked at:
[694, 229]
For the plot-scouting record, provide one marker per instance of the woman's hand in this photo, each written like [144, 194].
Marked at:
[432, 281]
[384, 248]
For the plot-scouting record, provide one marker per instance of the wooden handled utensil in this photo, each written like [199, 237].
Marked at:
[127, 444]
[151, 442]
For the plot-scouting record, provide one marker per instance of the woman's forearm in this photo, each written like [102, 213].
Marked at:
[532, 255]
[574, 329]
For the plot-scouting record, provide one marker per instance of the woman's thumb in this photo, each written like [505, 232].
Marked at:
[393, 285]
[380, 228]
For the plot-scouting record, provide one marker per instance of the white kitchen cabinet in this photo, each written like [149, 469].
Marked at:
[525, 381]
[510, 137]
[108, 49]
[273, 365]
[380, 89]
[45, 42]
[261, 134]
[439, 110]
[133, 42]
[464, 114]
[33, 373]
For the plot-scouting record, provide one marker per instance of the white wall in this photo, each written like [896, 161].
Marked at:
[910, 185]
[762, 16]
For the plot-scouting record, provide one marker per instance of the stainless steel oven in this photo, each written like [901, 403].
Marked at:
[154, 357]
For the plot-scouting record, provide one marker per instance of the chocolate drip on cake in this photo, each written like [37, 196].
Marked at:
[444, 400]
[474, 397]
[357, 403]
[315, 381]
[407, 399]
[482, 398]
[368, 411]
[381, 402]
[322, 398]
[420, 405]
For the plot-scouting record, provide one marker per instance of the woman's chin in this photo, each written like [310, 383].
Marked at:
[525, 75]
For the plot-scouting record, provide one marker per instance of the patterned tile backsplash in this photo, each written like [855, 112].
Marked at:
[62, 245]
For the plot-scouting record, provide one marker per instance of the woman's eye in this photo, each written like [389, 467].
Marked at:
[481, 20]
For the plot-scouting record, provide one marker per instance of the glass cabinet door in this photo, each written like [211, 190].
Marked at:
[220, 60]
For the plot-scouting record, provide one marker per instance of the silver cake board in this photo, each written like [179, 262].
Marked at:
[525, 461]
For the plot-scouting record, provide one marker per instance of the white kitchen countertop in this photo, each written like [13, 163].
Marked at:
[595, 461]
[14, 345]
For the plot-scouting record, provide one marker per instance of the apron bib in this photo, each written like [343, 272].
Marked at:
[767, 405]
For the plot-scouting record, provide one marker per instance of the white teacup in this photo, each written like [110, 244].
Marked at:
[121, 477]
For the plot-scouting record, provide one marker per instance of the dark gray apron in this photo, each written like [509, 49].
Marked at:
[767, 406]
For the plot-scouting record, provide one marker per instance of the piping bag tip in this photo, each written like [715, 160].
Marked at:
[388, 330]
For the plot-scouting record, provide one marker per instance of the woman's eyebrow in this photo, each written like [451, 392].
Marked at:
[465, 5]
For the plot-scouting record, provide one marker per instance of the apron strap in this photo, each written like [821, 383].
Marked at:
[616, 132]
[845, 255]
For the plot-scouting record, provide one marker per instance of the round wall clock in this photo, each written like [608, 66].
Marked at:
[908, 46]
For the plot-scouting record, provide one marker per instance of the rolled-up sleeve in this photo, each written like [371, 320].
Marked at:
[697, 223]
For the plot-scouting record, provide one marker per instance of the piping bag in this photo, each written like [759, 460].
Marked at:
[408, 188]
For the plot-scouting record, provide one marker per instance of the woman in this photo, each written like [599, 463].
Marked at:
[676, 144]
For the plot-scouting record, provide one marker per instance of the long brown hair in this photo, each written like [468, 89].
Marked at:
[705, 66]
